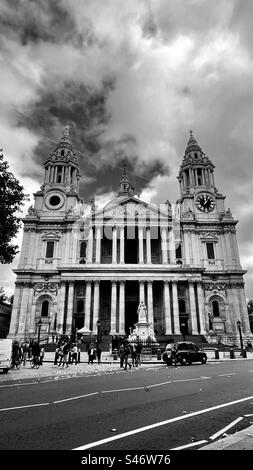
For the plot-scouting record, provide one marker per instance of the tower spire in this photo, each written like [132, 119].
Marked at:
[125, 187]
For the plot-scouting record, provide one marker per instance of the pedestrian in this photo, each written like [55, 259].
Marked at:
[60, 354]
[91, 353]
[127, 352]
[74, 354]
[25, 353]
[133, 355]
[65, 351]
[99, 352]
[138, 354]
[42, 353]
[36, 351]
[121, 354]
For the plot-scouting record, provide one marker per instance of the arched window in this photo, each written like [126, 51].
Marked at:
[80, 306]
[181, 306]
[44, 308]
[216, 311]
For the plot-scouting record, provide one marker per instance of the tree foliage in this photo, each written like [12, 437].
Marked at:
[12, 198]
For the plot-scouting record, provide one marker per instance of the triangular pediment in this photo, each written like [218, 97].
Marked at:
[51, 235]
[209, 237]
[132, 207]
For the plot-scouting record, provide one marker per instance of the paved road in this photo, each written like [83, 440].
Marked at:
[152, 408]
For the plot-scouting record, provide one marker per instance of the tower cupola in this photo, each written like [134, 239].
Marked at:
[196, 170]
[61, 168]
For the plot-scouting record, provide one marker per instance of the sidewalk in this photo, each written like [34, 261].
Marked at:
[241, 440]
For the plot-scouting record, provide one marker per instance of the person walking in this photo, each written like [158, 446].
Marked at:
[133, 355]
[99, 352]
[127, 352]
[25, 353]
[60, 354]
[65, 351]
[138, 354]
[91, 354]
[121, 354]
[74, 352]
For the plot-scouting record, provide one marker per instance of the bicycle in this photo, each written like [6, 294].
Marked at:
[35, 362]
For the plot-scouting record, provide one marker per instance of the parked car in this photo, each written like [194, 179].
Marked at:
[5, 354]
[184, 352]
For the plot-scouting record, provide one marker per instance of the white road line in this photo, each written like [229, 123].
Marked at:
[18, 385]
[161, 423]
[226, 375]
[76, 398]
[193, 444]
[247, 416]
[226, 428]
[153, 385]
[24, 406]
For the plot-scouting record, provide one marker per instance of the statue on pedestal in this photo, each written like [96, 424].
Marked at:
[142, 313]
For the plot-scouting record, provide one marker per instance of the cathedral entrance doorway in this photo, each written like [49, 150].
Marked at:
[131, 304]
[131, 245]
[183, 321]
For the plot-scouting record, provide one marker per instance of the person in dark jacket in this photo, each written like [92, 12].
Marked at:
[36, 350]
[127, 352]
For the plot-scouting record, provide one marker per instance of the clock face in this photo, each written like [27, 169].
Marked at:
[54, 200]
[205, 203]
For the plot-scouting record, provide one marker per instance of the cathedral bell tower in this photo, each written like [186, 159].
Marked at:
[59, 191]
[199, 194]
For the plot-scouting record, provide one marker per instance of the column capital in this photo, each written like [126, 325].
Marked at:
[166, 281]
[149, 281]
[96, 282]
[122, 281]
[71, 283]
[114, 281]
[174, 281]
[88, 281]
[191, 282]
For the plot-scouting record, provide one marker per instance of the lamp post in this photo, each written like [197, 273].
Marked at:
[98, 331]
[39, 325]
[240, 333]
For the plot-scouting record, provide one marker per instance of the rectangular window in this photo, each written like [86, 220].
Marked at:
[179, 252]
[50, 250]
[210, 251]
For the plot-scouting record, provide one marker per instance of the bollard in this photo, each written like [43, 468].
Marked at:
[217, 355]
[232, 354]
[55, 358]
[159, 355]
[244, 353]
[79, 356]
[69, 358]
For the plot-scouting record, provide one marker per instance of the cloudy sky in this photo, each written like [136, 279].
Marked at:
[131, 78]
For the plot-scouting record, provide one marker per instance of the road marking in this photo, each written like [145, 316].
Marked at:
[153, 385]
[18, 385]
[226, 428]
[247, 416]
[161, 423]
[76, 398]
[193, 444]
[24, 406]
[226, 375]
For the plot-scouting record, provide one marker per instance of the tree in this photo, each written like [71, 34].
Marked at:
[3, 296]
[250, 312]
[12, 198]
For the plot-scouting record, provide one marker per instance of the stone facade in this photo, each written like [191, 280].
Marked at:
[78, 266]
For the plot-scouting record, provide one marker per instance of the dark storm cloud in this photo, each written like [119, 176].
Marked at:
[31, 21]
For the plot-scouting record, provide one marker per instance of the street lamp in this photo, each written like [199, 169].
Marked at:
[240, 333]
[98, 331]
[39, 325]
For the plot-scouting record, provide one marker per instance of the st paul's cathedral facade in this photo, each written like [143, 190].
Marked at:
[77, 266]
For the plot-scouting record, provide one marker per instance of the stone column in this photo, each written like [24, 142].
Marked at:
[15, 310]
[122, 308]
[61, 308]
[140, 237]
[114, 244]
[87, 304]
[122, 245]
[228, 248]
[90, 245]
[172, 247]
[175, 308]
[69, 318]
[193, 309]
[150, 304]
[201, 304]
[167, 309]
[148, 243]
[23, 311]
[141, 292]
[164, 245]
[98, 244]
[113, 307]
[95, 306]
[186, 247]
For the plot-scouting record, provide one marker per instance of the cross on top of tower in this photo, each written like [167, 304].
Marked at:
[125, 187]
